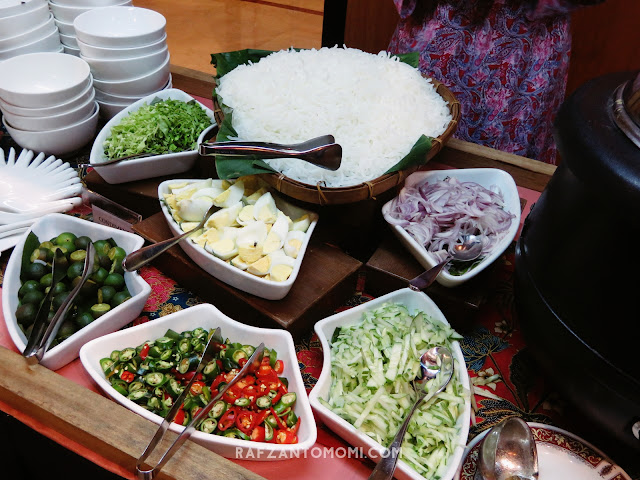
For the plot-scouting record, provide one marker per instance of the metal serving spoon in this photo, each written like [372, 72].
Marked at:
[436, 363]
[507, 452]
[469, 250]
[144, 255]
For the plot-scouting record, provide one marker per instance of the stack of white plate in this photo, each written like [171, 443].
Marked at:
[27, 26]
[65, 12]
[126, 49]
[48, 102]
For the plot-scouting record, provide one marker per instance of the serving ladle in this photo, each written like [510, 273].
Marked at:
[508, 452]
[435, 364]
[468, 250]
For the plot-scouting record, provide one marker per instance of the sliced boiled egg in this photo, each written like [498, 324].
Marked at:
[225, 248]
[211, 192]
[188, 190]
[253, 198]
[260, 267]
[281, 266]
[246, 215]
[293, 243]
[277, 234]
[225, 217]
[250, 241]
[302, 223]
[193, 210]
[238, 262]
[231, 195]
[265, 209]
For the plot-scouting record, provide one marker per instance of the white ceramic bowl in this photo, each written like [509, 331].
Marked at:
[58, 142]
[35, 32]
[58, 109]
[141, 168]
[414, 301]
[207, 316]
[490, 178]
[88, 3]
[143, 85]
[45, 228]
[108, 110]
[53, 122]
[120, 27]
[71, 50]
[229, 274]
[48, 43]
[122, 99]
[22, 22]
[40, 80]
[110, 53]
[69, 41]
[12, 8]
[65, 28]
[122, 69]
[68, 13]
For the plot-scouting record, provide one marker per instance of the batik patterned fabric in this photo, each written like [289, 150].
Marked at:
[506, 61]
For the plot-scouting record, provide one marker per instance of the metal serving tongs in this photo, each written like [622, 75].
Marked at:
[213, 347]
[320, 151]
[43, 333]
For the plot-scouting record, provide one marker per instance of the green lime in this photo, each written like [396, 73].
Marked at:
[99, 309]
[89, 289]
[26, 314]
[100, 275]
[34, 296]
[120, 297]
[35, 271]
[67, 247]
[75, 270]
[106, 294]
[115, 280]
[64, 238]
[29, 286]
[59, 288]
[83, 319]
[104, 261]
[46, 280]
[59, 299]
[66, 330]
[102, 247]
[82, 242]
[78, 255]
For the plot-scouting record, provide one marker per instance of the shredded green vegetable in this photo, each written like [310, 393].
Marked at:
[162, 126]
[372, 365]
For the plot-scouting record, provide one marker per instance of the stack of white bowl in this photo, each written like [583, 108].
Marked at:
[126, 49]
[66, 11]
[48, 102]
[27, 26]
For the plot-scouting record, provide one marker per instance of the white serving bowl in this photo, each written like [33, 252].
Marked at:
[123, 69]
[120, 27]
[35, 32]
[124, 99]
[12, 8]
[260, 287]
[110, 53]
[108, 110]
[490, 178]
[143, 85]
[71, 50]
[207, 316]
[88, 3]
[21, 22]
[43, 79]
[69, 41]
[68, 13]
[48, 43]
[58, 142]
[45, 228]
[52, 122]
[65, 28]
[141, 168]
[58, 109]
[414, 301]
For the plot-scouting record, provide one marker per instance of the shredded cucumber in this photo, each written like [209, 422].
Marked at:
[372, 365]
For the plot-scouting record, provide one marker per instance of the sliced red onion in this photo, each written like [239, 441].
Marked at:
[437, 215]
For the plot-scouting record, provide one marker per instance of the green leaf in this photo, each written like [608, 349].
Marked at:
[227, 61]
[411, 58]
[416, 156]
[30, 244]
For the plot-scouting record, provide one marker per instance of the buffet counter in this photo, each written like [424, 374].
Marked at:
[67, 406]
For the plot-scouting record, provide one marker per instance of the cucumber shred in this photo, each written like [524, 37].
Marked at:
[373, 363]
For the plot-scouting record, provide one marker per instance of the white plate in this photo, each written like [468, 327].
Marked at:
[207, 316]
[45, 228]
[34, 183]
[229, 274]
[561, 456]
[490, 178]
[414, 301]
[141, 168]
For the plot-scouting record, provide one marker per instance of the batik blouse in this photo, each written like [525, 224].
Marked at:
[506, 61]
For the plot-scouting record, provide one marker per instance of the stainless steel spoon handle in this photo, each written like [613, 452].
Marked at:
[425, 279]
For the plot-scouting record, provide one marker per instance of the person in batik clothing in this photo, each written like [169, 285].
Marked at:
[506, 62]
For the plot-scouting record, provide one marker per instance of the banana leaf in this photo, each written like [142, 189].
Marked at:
[234, 167]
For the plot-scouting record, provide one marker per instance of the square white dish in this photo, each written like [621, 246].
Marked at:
[414, 301]
[149, 167]
[490, 178]
[207, 316]
[50, 226]
[229, 274]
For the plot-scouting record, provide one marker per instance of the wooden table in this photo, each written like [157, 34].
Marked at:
[83, 419]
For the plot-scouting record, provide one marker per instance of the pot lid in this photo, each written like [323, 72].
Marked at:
[626, 108]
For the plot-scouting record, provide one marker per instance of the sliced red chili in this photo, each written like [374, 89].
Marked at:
[279, 367]
[296, 427]
[281, 424]
[196, 388]
[228, 419]
[179, 418]
[217, 381]
[127, 376]
[258, 434]
[261, 416]
[245, 421]
[232, 394]
[286, 437]
[264, 370]
[145, 351]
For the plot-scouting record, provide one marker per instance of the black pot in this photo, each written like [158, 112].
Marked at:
[577, 282]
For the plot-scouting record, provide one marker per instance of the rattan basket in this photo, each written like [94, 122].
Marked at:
[321, 195]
